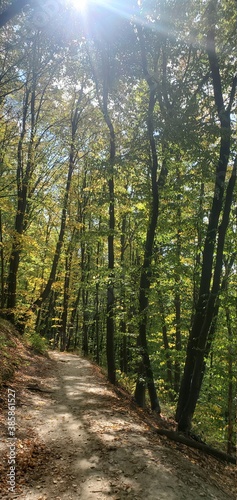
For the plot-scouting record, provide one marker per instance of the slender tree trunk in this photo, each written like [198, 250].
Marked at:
[203, 343]
[97, 309]
[178, 341]
[198, 255]
[230, 405]
[32, 110]
[110, 291]
[165, 340]
[190, 386]
[23, 178]
[45, 293]
[84, 298]
[177, 298]
[85, 338]
[103, 103]
[39, 312]
[110, 327]
[123, 326]
[74, 127]
[146, 372]
[66, 297]
[97, 325]
[2, 264]
[75, 307]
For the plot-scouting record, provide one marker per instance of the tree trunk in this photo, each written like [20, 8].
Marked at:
[177, 298]
[230, 405]
[23, 178]
[103, 103]
[110, 291]
[193, 371]
[110, 329]
[203, 343]
[97, 313]
[74, 127]
[165, 340]
[2, 265]
[123, 326]
[66, 297]
[145, 278]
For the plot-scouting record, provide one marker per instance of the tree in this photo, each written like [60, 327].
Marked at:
[145, 370]
[12, 10]
[126, 172]
[211, 272]
[75, 120]
[31, 135]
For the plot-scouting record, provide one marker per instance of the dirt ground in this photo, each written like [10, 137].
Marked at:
[77, 438]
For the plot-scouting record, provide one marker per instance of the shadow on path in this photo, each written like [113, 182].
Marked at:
[100, 450]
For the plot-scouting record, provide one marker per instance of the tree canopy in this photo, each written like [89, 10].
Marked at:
[118, 197]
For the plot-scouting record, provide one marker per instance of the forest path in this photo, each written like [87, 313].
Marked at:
[97, 448]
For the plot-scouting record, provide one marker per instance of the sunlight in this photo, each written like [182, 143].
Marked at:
[80, 4]
[116, 6]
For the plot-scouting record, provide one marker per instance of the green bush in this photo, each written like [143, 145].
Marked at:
[38, 343]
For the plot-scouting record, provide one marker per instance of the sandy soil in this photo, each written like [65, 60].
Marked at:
[89, 445]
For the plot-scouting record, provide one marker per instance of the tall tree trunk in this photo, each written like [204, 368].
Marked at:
[198, 255]
[230, 405]
[145, 369]
[45, 293]
[110, 291]
[165, 339]
[23, 178]
[2, 265]
[190, 386]
[32, 111]
[76, 115]
[205, 337]
[74, 308]
[85, 338]
[66, 297]
[123, 326]
[103, 103]
[177, 298]
[97, 313]
[85, 263]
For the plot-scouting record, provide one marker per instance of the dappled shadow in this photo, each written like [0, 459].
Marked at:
[98, 449]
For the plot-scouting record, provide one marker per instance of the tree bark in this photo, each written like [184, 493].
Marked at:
[110, 327]
[103, 98]
[66, 297]
[2, 264]
[177, 297]
[204, 341]
[230, 404]
[23, 176]
[209, 450]
[74, 127]
[190, 386]
[146, 273]
[123, 326]
[165, 340]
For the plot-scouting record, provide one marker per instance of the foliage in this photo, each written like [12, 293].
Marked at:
[38, 343]
[61, 89]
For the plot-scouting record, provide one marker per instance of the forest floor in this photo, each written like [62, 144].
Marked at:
[78, 438]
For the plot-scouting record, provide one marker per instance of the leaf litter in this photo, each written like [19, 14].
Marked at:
[78, 438]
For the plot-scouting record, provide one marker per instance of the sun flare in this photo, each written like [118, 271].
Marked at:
[80, 4]
[83, 5]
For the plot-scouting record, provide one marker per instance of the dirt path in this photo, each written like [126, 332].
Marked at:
[97, 449]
